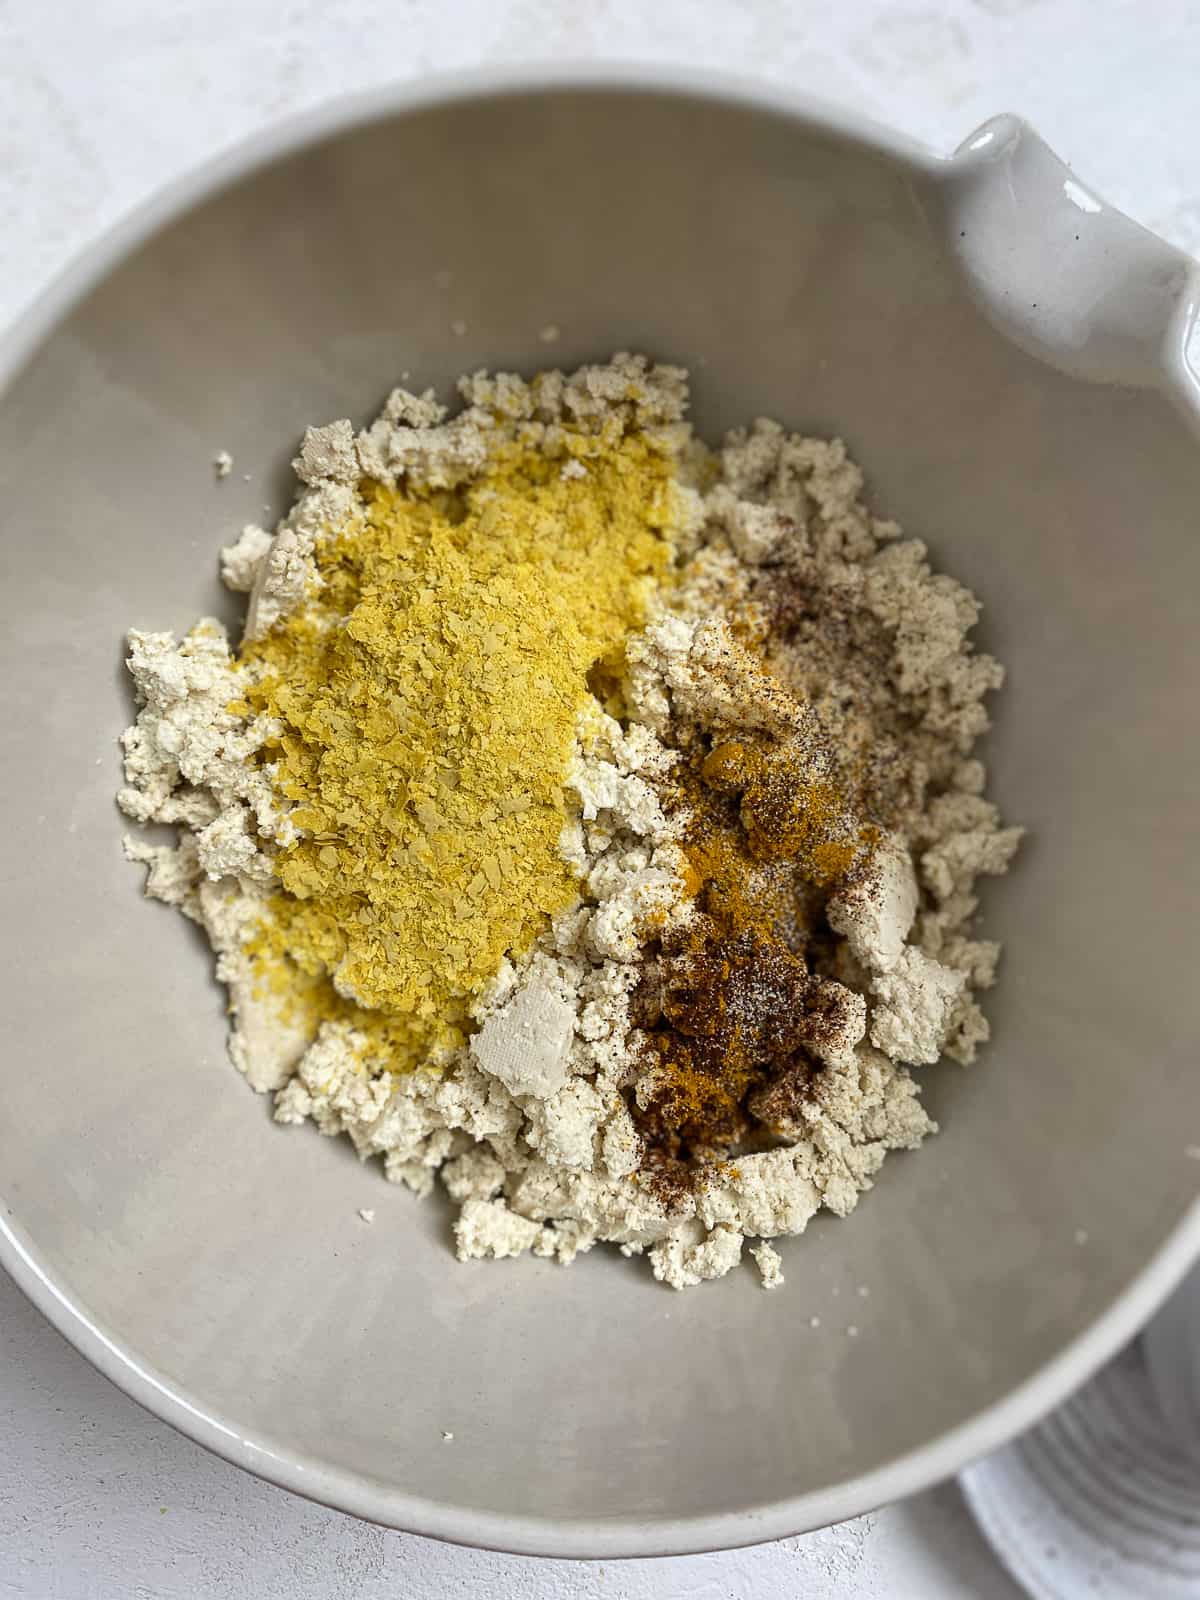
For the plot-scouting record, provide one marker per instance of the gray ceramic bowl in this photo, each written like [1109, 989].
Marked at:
[1005, 355]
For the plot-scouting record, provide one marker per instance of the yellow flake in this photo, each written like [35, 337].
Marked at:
[427, 695]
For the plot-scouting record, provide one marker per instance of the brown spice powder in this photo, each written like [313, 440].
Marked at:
[731, 1003]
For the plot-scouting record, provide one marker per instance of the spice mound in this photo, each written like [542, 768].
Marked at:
[586, 818]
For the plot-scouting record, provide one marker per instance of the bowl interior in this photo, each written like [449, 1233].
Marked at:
[795, 273]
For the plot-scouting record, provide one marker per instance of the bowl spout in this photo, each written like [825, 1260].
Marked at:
[1060, 272]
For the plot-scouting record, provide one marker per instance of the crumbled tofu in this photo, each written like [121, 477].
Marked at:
[526, 1045]
[532, 1124]
[770, 1263]
[914, 1007]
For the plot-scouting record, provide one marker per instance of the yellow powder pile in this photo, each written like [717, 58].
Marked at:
[428, 694]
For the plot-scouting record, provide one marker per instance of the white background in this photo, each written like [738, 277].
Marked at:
[103, 100]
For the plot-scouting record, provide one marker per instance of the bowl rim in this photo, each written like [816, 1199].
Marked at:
[344, 1490]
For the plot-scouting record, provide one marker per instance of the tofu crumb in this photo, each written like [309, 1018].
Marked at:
[770, 1264]
[222, 463]
[366, 1213]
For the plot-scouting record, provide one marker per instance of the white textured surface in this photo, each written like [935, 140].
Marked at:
[1099, 1502]
[101, 104]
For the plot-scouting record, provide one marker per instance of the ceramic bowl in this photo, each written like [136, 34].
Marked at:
[1005, 355]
